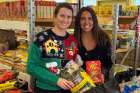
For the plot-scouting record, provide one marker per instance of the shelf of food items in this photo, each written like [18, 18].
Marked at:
[126, 19]
[126, 39]
[126, 24]
[13, 10]
[45, 10]
[125, 36]
[126, 28]
[106, 10]
[126, 33]
[17, 10]
[13, 49]
[15, 58]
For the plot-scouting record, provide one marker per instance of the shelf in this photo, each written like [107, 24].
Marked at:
[19, 66]
[7, 0]
[19, 38]
[120, 50]
[125, 30]
[126, 19]
[8, 24]
[120, 30]
[44, 22]
[21, 69]
[14, 18]
[107, 29]
[48, 22]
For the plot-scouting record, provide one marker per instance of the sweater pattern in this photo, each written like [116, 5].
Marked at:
[57, 49]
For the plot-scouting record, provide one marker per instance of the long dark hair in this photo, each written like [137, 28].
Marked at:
[100, 36]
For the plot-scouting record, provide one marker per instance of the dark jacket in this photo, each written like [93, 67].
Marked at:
[99, 53]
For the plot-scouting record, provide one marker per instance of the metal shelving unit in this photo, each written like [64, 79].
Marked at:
[114, 33]
[31, 14]
[135, 47]
[137, 42]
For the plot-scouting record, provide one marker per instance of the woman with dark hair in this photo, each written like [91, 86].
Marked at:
[50, 51]
[94, 43]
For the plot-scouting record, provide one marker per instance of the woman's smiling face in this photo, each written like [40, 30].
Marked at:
[63, 19]
[86, 21]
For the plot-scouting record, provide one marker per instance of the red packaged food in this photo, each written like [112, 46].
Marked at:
[93, 68]
[5, 75]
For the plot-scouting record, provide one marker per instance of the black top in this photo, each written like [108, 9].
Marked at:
[99, 53]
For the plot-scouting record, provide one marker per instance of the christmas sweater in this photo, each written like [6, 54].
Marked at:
[48, 55]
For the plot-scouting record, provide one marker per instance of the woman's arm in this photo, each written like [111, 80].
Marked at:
[34, 68]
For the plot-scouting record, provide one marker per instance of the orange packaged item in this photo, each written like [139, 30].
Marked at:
[5, 75]
[93, 68]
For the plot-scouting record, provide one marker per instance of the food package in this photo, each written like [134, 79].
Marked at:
[8, 85]
[84, 83]
[93, 68]
[72, 71]
[6, 75]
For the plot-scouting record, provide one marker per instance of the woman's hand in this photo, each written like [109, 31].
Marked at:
[65, 84]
